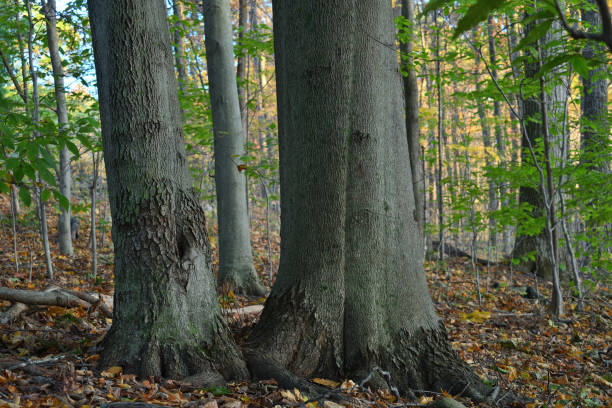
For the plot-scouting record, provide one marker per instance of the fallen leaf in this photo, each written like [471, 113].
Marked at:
[326, 383]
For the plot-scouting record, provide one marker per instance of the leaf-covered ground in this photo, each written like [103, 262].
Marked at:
[46, 357]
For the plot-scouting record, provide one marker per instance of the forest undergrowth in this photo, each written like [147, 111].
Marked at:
[48, 354]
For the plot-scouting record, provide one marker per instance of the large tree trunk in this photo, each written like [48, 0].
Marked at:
[64, 236]
[166, 317]
[537, 244]
[351, 289]
[236, 270]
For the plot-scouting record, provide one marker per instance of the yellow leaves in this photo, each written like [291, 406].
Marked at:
[295, 396]
[509, 370]
[326, 383]
[111, 372]
[477, 316]
[425, 400]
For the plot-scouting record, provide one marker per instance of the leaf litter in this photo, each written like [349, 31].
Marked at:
[48, 358]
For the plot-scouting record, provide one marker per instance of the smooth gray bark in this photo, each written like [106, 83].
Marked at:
[351, 289]
[486, 141]
[594, 102]
[179, 44]
[538, 244]
[64, 173]
[411, 94]
[241, 67]
[41, 206]
[166, 316]
[236, 270]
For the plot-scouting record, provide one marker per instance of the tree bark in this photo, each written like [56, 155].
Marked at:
[41, 206]
[488, 146]
[241, 66]
[351, 289]
[166, 317]
[411, 95]
[179, 44]
[236, 270]
[64, 237]
[594, 102]
[532, 194]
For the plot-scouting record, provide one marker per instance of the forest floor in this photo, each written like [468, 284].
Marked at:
[45, 358]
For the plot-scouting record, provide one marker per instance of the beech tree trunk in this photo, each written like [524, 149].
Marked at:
[236, 270]
[64, 237]
[179, 45]
[538, 244]
[351, 289]
[411, 94]
[166, 316]
[594, 101]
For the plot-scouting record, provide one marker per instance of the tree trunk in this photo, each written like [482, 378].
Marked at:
[236, 270]
[242, 63]
[166, 317]
[41, 206]
[179, 45]
[488, 146]
[411, 94]
[499, 133]
[532, 195]
[594, 102]
[64, 173]
[351, 289]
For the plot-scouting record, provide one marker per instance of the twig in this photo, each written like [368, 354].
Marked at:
[37, 362]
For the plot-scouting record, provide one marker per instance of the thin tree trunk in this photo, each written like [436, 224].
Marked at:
[64, 173]
[440, 159]
[236, 270]
[179, 44]
[14, 230]
[94, 185]
[499, 133]
[411, 95]
[539, 243]
[486, 141]
[42, 214]
[242, 63]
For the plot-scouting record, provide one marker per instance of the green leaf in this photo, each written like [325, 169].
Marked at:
[46, 175]
[63, 201]
[434, 5]
[535, 34]
[477, 13]
[24, 196]
[580, 65]
[45, 195]
[73, 148]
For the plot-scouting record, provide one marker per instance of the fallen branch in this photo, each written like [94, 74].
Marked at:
[96, 302]
[16, 309]
[49, 298]
[37, 362]
[456, 252]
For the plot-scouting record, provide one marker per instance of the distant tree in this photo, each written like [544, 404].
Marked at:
[49, 10]
[351, 290]
[236, 270]
[166, 317]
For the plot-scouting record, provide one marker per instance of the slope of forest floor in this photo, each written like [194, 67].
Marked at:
[46, 358]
